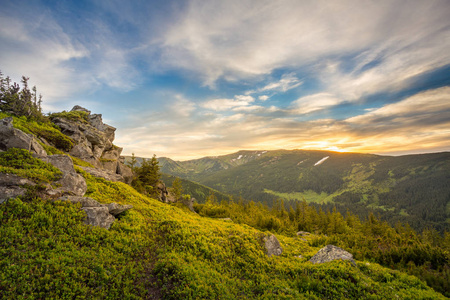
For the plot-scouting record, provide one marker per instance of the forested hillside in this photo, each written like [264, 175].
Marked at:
[412, 188]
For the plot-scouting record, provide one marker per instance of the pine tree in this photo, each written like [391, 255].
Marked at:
[177, 188]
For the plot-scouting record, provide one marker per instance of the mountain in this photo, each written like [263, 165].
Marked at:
[410, 188]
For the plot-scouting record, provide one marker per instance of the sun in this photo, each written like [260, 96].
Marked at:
[335, 149]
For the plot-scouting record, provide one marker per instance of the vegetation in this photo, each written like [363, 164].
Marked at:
[76, 115]
[410, 189]
[425, 255]
[21, 163]
[161, 251]
[147, 177]
[20, 101]
[197, 191]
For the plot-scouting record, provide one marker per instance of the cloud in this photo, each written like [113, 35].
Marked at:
[416, 124]
[315, 102]
[226, 104]
[425, 108]
[252, 38]
[287, 82]
[263, 98]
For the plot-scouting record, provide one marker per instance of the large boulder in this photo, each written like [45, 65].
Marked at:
[330, 253]
[97, 214]
[116, 209]
[125, 171]
[71, 182]
[272, 245]
[11, 137]
[12, 186]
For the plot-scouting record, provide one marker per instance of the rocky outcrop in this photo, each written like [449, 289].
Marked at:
[71, 182]
[272, 245]
[330, 253]
[102, 173]
[12, 186]
[97, 214]
[11, 137]
[94, 144]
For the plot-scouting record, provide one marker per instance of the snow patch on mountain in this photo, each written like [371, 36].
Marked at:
[321, 161]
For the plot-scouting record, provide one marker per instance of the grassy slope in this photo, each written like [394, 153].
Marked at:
[162, 251]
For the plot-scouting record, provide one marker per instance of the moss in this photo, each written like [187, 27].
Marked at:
[78, 116]
[21, 163]
[43, 130]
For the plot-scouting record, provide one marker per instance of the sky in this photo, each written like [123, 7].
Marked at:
[186, 79]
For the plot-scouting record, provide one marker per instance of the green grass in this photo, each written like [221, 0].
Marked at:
[308, 196]
[20, 162]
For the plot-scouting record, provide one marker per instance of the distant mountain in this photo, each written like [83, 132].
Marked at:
[411, 188]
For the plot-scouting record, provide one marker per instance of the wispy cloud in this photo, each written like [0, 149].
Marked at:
[226, 104]
[287, 82]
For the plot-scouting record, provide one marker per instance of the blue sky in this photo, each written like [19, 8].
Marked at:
[187, 79]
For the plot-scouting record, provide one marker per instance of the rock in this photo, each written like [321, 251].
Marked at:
[110, 165]
[112, 154]
[71, 182]
[108, 175]
[83, 151]
[11, 137]
[330, 253]
[79, 108]
[273, 246]
[116, 209]
[96, 121]
[70, 128]
[303, 233]
[12, 186]
[126, 172]
[162, 192]
[98, 216]
[84, 201]
[189, 202]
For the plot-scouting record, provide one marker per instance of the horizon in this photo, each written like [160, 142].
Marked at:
[264, 150]
[179, 79]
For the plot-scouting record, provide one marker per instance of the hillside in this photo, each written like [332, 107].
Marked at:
[71, 227]
[411, 188]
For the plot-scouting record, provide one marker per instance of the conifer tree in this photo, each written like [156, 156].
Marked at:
[177, 188]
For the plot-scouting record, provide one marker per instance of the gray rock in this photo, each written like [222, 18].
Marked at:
[84, 201]
[11, 137]
[111, 166]
[303, 233]
[12, 186]
[79, 108]
[330, 253]
[273, 246]
[112, 154]
[116, 209]
[96, 121]
[83, 151]
[126, 172]
[70, 128]
[98, 216]
[189, 202]
[108, 175]
[71, 182]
